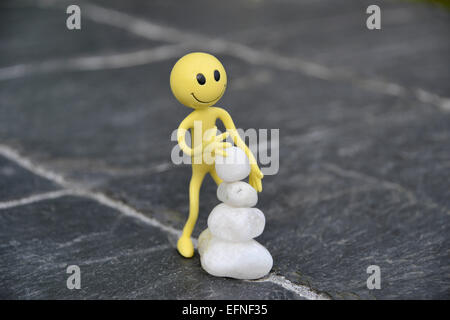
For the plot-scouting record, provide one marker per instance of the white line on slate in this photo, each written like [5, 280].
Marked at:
[153, 31]
[74, 189]
[302, 291]
[91, 63]
[129, 211]
[14, 156]
[78, 190]
[34, 198]
[156, 32]
[186, 40]
[371, 180]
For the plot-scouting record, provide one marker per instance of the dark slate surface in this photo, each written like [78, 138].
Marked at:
[119, 258]
[121, 103]
[23, 42]
[328, 235]
[408, 49]
[16, 182]
[364, 177]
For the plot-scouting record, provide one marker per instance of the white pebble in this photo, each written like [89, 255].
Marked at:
[239, 260]
[234, 167]
[203, 240]
[236, 224]
[237, 194]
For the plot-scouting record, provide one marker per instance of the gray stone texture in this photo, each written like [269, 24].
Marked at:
[364, 176]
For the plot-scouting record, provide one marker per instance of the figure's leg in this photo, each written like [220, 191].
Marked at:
[214, 175]
[184, 245]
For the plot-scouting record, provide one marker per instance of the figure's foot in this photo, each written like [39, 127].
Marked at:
[185, 247]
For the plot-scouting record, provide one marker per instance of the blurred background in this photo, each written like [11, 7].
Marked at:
[364, 117]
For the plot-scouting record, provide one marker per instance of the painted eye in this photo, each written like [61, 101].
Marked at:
[216, 75]
[201, 79]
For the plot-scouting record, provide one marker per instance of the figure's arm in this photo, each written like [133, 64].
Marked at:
[212, 143]
[185, 125]
[255, 174]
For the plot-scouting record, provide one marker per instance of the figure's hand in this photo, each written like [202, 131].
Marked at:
[255, 178]
[214, 145]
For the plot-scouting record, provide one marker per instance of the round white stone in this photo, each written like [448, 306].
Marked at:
[203, 240]
[237, 194]
[234, 167]
[239, 260]
[236, 224]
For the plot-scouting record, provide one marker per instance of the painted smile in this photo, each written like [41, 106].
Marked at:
[210, 100]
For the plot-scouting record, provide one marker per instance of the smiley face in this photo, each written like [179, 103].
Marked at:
[198, 80]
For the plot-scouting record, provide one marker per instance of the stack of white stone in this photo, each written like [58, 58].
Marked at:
[226, 247]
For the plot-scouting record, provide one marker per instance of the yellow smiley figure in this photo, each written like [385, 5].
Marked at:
[198, 80]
